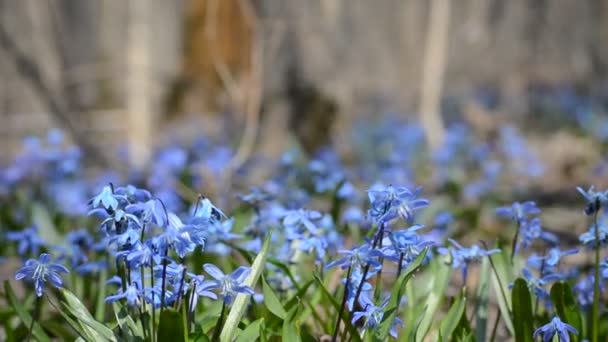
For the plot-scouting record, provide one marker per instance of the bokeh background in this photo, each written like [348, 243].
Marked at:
[264, 74]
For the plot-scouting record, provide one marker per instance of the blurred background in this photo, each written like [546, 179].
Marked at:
[263, 74]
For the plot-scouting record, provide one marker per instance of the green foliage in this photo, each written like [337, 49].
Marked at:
[396, 295]
[240, 303]
[170, 327]
[523, 319]
[92, 329]
[23, 314]
[566, 306]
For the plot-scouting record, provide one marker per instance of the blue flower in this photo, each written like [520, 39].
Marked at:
[151, 211]
[359, 257]
[532, 231]
[406, 245]
[107, 199]
[132, 295]
[461, 256]
[550, 261]
[143, 254]
[391, 202]
[175, 236]
[229, 284]
[584, 290]
[133, 194]
[302, 217]
[41, 270]
[536, 285]
[29, 241]
[588, 238]
[556, 326]
[595, 200]
[518, 212]
[373, 317]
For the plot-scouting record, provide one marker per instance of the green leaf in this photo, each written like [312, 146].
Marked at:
[501, 278]
[46, 227]
[271, 300]
[125, 322]
[170, 326]
[566, 306]
[481, 307]
[453, 317]
[334, 302]
[93, 328]
[25, 317]
[252, 332]
[291, 331]
[523, 319]
[241, 301]
[440, 275]
[396, 295]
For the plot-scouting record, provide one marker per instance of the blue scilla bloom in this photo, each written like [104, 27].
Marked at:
[532, 231]
[176, 237]
[40, 271]
[150, 211]
[536, 285]
[133, 194]
[461, 256]
[28, 241]
[143, 254]
[372, 316]
[556, 326]
[202, 287]
[80, 243]
[584, 289]
[595, 200]
[354, 282]
[604, 268]
[359, 257]
[302, 217]
[132, 294]
[256, 197]
[207, 211]
[406, 245]
[550, 261]
[352, 214]
[107, 199]
[588, 237]
[229, 284]
[388, 203]
[518, 212]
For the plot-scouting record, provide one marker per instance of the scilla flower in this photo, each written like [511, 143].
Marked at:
[556, 326]
[595, 200]
[41, 270]
[229, 284]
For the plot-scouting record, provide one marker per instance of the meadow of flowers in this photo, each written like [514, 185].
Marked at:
[386, 245]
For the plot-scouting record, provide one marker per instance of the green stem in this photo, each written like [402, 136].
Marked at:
[153, 305]
[514, 243]
[34, 318]
[219, 325]
[342, 306]
[595, 316]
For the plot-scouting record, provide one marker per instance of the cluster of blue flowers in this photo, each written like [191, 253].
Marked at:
[149, 237]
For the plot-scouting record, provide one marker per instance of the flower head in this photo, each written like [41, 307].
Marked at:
[229, 284]
[132, 295]
[556, 326]
[461, 256]
[518, 212]
[595, 200]
[41, 270]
